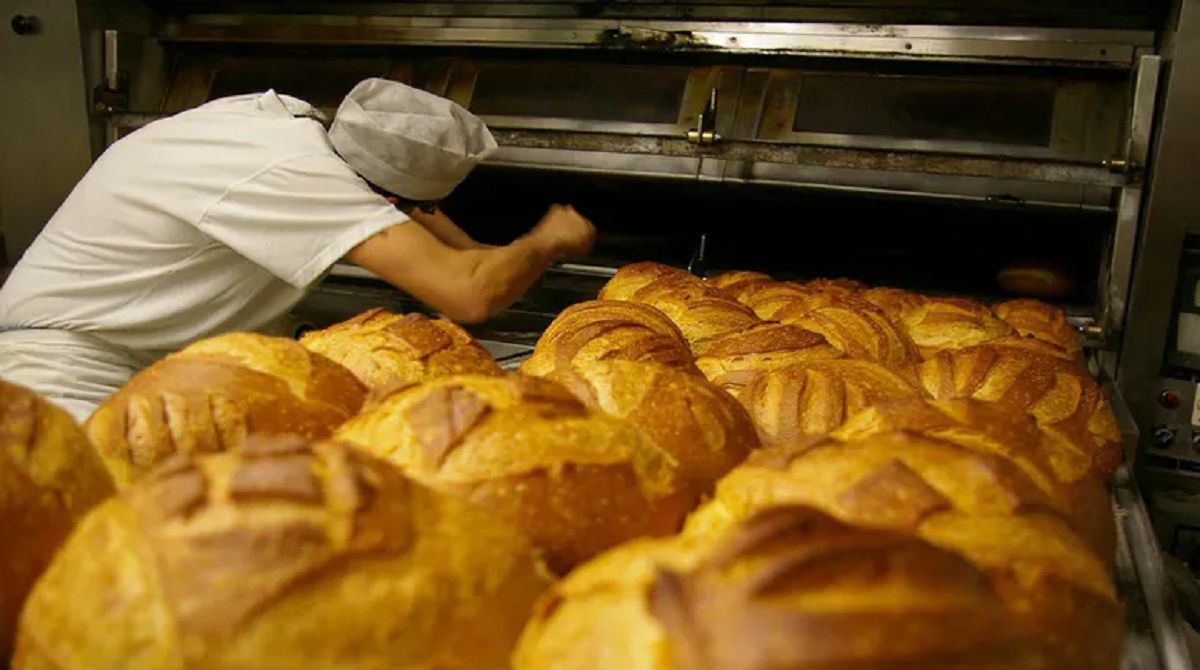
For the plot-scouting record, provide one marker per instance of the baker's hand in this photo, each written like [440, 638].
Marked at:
[566, 231]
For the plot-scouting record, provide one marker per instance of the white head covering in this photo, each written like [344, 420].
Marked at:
[407, 141]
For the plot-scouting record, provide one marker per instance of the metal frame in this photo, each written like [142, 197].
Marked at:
[1171, 208]
[1115, 48]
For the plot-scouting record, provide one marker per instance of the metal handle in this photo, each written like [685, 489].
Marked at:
[705, 131]
[23, 24]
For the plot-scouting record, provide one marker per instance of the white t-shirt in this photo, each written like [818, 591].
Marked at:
[213, 220]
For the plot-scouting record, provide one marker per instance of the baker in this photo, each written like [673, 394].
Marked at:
[220, 218]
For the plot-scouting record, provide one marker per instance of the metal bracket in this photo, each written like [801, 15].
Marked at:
[698, 265]
[705, 132]
[1147, 73]
[112, 95]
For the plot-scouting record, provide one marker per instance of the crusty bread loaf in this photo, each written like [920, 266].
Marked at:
[633, 277]
[1057, 391]
[577, 481]
[789, 589]
[1059, 470]
[767, 298]
[794, 404]
[282, 555]
[1038, 280]
[935, 324]
[1037, 319]
[49, 478]
[384, 349]
[978, 506]
[209, 396]
[735, 359]
[857, 329]
[733, 278]
[839, 285]
[894, 302]
[702, 312]
[601, 330]
[701, 426]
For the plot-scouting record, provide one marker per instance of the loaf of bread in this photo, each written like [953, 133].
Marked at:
[283, 554]
[974, 505]
[794, 404]
[789, 588]
[857, 329]
[1021, 372]
[49, 478]
[385, 350]
[1060, 471]
[1037, 280]
[894, 302]
[935, 324]
[602, 330]
[839, 285]
[635, 276]
[701, 426]
[734, 278]
[577, 481]
[765, 297]
[209, 396]
[734, 360]
[702, 312]
[1037, 319]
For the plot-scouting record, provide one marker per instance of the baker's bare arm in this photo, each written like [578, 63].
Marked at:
[470, 285]
[444, 228]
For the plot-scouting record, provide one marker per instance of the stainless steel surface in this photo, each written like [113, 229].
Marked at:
[995, 167]
[1096, 47]
[45, 146]
[1172, 207]
[1154, 628]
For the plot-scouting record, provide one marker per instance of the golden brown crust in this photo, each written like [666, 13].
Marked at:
[602, 330]
[732, 278]
[211, 395]
[702, 312]
[384, 349]
[220, 560]
[767, 298]
[951, 323]
[1034, 318]
[857, 329]
[49, 478]
[793, 404]
[787, 588]
[701, 426]
[1059, 393]
[734, 360]
[894, 302]
[633, 277]
[978, 506]
[576, 481]
[1060, 471]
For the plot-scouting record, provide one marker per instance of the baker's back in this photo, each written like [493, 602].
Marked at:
[168, 237]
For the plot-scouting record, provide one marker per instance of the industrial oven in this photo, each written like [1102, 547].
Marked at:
[925, 144]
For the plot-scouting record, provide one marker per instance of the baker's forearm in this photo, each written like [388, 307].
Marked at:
[445, 230]
[503, 274]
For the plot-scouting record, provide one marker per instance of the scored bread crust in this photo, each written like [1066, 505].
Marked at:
[577, 481]
[384, 349]
[50, 476]
[211, 395]
[309, 555]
